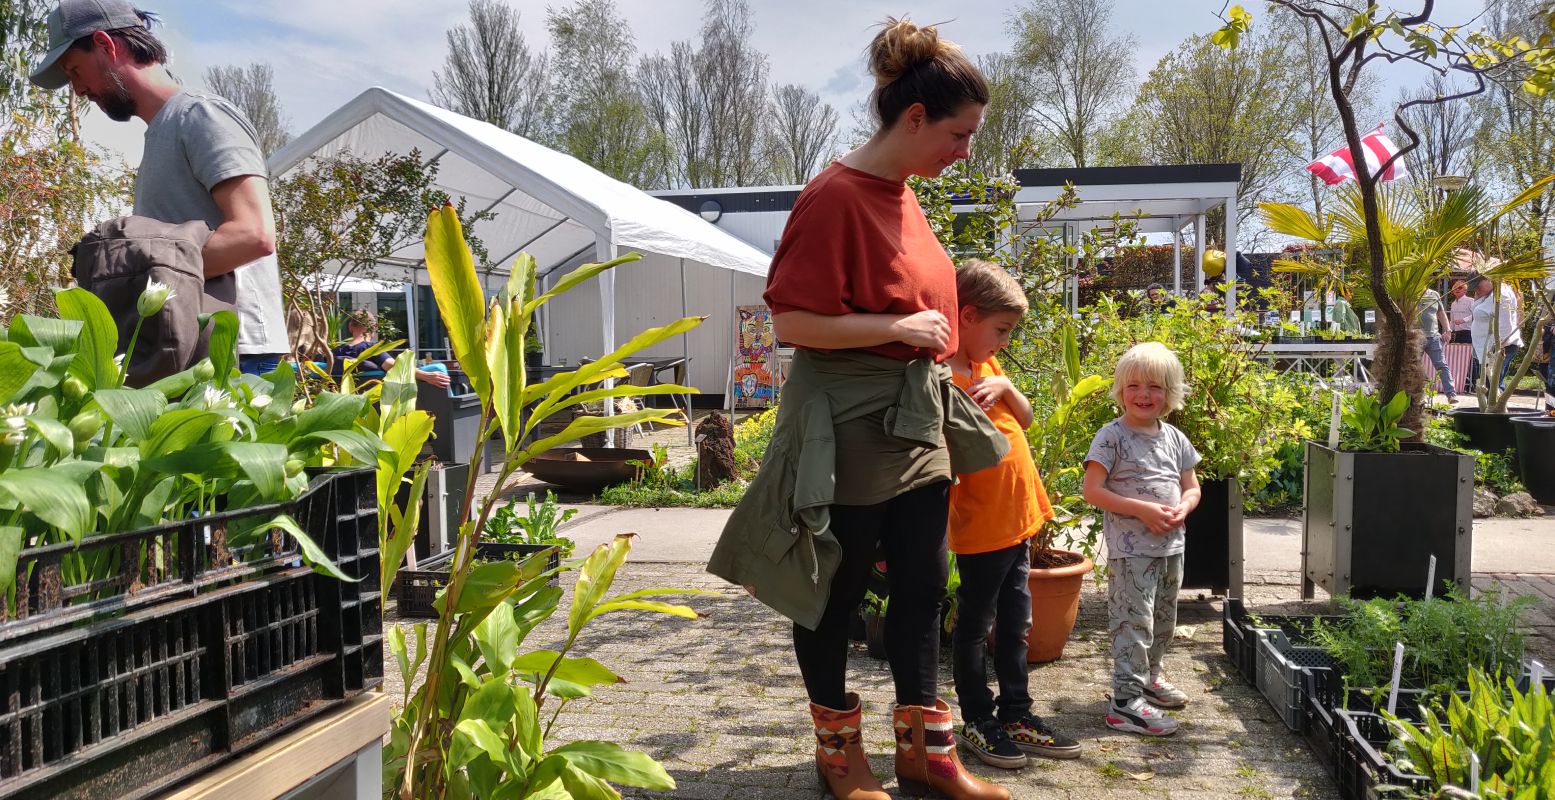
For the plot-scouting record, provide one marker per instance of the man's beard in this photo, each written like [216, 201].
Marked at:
[116, 102]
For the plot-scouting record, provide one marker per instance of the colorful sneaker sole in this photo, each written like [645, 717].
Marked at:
[1047, 750]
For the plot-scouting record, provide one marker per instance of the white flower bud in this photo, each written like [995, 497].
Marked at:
[152, 299]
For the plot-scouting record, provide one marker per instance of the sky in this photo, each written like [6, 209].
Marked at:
[324, 54]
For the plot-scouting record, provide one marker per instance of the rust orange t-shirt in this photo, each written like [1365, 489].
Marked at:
[859, 243]
[1003, 505]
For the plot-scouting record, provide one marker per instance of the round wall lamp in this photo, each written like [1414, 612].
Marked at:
[711, 211]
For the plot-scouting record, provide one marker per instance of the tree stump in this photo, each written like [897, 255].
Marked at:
[715, 451]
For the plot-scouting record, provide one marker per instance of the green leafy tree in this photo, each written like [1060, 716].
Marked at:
[1351, 42]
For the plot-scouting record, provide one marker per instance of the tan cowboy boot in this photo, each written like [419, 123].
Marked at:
[839, 754]
[926, 761]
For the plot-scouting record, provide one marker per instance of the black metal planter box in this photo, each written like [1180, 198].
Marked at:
[1372, 520]
[417, 588]
[147, 694]
[1212, 555]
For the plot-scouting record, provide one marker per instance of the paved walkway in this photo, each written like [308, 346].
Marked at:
[718, 700]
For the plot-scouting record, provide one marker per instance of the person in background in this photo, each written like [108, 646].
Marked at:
[994, 513]
[1508, 323]
[360, 328]
[201, 160]
[1140, 472]
[1460, 313]
[1434, 324]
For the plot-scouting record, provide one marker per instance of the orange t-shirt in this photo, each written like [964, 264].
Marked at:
[858, 243]
[1006, 504]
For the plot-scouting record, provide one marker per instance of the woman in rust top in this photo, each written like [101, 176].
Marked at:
[860, 282]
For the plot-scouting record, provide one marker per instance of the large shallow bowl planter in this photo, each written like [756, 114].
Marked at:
[1212, 554]
[1372, 521]
[1055, 602]
[124, 688]
[1536, 456]
[587, 469]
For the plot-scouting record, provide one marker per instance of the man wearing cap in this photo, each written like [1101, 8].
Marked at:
[202, 159]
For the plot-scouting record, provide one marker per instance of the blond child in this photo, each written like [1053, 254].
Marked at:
[1139, 471]
[993, 514]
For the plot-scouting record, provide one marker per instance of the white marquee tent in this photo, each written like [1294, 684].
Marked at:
[564, 213]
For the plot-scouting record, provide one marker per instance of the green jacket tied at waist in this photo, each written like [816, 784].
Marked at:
[778, 541]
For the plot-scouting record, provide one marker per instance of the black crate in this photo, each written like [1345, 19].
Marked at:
[1364, 773]
[417, 588]
[1236, 636]
[1321, 730]
[1280, 664]
[127, 707]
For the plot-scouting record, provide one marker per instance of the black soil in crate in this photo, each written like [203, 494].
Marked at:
[129, 706]
[418, 588]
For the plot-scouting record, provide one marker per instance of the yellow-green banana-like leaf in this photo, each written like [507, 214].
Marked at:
[576, 277]
[459, 299]
[1293, 221]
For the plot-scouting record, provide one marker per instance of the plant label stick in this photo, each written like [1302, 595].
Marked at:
[1333, 425]
[1398, 667]
[1430, 577]
[1473, 772]
[1535, 674]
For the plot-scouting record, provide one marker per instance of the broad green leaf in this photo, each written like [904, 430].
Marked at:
[559, 386]
[362, 447]
[472, 738]
[176, 385]
[487, 585]
[612, 606]
[403, 440]
[224, 344]
[99, 341]
[504, 354]
[1071, 356]
[585, 425]
[283, 382]
[59, 335]
[15, 370]
[582, 671]
[312, 554]
[608, 761]
[54, 432]
[53, 496]
[176, 430]
[594, 578]
[132, 410]
[398, 397]
[12, 540]
[331, 411]
[451, 270]
[498, 637]
[536, 609]
[583, 786]
[492, 703]
[153, 507]
[262, 463]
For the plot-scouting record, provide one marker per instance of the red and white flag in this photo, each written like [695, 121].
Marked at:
[1339, 166]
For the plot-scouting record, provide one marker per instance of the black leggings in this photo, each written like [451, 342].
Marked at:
[909, 531]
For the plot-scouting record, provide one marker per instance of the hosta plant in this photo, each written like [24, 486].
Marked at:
[471, 721]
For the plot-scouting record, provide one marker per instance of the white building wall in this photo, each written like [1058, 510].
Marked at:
[759, 229]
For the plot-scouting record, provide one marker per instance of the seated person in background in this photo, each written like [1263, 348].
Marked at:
[360, 328]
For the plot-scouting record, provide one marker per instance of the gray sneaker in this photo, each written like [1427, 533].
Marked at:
[1163, 694]
[1138, 716]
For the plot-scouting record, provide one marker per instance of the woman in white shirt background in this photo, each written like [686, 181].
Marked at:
[1508, 324]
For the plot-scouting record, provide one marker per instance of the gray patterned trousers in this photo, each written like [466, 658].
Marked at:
[1142, 613]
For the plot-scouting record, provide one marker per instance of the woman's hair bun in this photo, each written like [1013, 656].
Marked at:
[901, 45]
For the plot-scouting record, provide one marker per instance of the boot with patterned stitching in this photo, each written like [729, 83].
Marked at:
[839, 754]
[926, 761]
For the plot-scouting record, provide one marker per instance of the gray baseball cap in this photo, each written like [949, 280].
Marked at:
[77, 19]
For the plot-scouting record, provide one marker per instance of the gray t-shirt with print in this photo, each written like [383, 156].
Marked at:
[1142, 466]
[196, 141]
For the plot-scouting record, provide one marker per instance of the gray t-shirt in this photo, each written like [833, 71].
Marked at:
[196, 141]
[1430, 306]
[1142, 466]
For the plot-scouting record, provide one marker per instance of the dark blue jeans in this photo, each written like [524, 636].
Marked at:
[909, 531]
[259, 363]
[993, 595]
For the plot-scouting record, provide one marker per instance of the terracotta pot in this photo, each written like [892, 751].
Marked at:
[1055, 600]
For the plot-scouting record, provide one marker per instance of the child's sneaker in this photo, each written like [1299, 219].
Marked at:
[1165, 695]
[1032, 735]
[1138, 716]
[988, 741]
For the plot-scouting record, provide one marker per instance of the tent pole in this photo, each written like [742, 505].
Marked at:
[1230, 272]
[1198, 255]
[685, 356]
[1176, 256]
[410, 312]
[605, 250]
[734, 328]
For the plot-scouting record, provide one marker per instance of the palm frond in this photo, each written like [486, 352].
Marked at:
[1293, 221]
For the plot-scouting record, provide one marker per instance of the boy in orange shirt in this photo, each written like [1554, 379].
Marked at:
[993, 515]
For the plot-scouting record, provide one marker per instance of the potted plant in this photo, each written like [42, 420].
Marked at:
[1058, 442]
[1489, 429]
[1378, 507]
